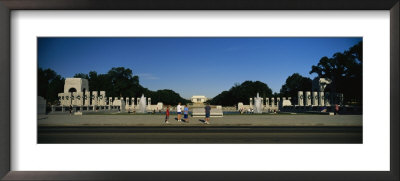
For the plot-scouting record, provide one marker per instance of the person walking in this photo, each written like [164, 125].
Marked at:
[186, 113]
[336, 109]
[167, 115]
[179, 112]
[207, 110]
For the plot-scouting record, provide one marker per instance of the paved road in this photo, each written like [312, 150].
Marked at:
[124, 128]
[200, 134]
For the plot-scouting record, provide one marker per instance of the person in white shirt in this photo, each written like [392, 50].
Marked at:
[179, 111]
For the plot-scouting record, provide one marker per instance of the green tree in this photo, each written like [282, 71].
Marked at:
[242, 93]
[295, 83]
[49, 85]
[345, 71]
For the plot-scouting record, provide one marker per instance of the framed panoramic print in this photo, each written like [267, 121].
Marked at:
[199, 90]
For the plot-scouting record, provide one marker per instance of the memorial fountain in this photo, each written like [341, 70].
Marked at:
[257, 104]
[142, 105]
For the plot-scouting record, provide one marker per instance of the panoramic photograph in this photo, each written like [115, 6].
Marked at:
[275, 90]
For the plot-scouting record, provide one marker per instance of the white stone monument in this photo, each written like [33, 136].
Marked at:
[79, 99]
[308, 98]
[76, 85]
[102, 98]
[267, 102]
[94, 98]
[272, 102]
[300, 98]
[87, 98]
[321, 99]
[314, 98]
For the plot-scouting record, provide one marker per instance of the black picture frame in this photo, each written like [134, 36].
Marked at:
[6, 6]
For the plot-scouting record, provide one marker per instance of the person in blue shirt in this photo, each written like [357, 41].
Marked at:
[186, 113]
[207, 111]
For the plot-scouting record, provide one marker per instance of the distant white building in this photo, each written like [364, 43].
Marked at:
[198, 99]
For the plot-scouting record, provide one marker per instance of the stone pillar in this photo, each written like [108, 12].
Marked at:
[321, 99]
[251, 102]
[272, 102]
[300, 98]
[308, 98]
[137, 101]
[314, 98]
[133, 102]
[87, 98]
[110, 102]
[53, 108]
[127, 101]
[94, 98]
[149, 101]
[267, 102]
[102, 98]
[80, 98]
[74, 98]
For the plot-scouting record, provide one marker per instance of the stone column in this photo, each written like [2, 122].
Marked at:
[94, 98]
[149, 101]
[267, 102]
[321, 99]
[300, 98]
[272, 102]
[251, 102]
[87, 98]
[74, 98]
[102, 98]
[314, 98]
[110, 102]
[133, 102]
[127, 103]
[79, 99]
[308, 98]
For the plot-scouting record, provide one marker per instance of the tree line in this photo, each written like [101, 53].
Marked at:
[117, 82]
[343, 68]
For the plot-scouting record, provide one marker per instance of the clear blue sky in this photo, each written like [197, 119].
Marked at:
[191, 66]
